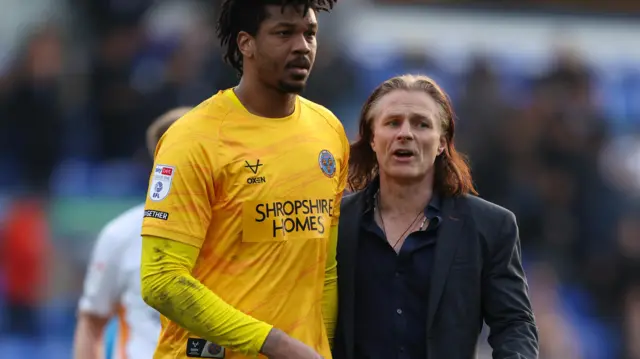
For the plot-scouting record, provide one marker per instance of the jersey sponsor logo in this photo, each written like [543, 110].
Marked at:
[161, 182]
[327, 163]
[254, 169]
[150, 213]
[281, 220]
[201, 348]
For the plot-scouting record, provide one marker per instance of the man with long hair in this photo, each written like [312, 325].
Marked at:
[422, 261]
[241, 219]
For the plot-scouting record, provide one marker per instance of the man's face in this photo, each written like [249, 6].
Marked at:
[285, 47]
[407, 135]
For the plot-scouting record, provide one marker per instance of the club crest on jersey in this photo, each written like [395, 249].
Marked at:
[327, 163]
[161, 182]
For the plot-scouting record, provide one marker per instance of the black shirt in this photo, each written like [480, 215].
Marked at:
[392, 290]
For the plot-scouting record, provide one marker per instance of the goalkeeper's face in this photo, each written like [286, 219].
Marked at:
[286, 47]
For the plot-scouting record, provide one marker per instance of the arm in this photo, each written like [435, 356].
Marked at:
[100, 295]
[88, 336]
[330, 293]
[167, 286]
[506, 306]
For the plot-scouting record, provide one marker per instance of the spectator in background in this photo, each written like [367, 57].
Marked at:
[25, 249]
[558, 337]
[115, 103]
[331, 63]
[33, 115]
[631, 318]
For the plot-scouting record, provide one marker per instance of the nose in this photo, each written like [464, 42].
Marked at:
[405, 132]
[301, 45]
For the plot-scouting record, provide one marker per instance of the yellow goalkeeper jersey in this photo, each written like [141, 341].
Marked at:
[258, 197]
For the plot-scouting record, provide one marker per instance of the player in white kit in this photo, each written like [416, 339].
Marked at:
[112, 282]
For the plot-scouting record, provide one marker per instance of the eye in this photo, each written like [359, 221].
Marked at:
[283, 33]
[311, 33]
[393, 123]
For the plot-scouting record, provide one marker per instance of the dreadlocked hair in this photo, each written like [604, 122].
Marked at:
[247, 15]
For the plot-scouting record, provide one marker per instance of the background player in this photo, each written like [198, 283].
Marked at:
[240, 228]
[112, 283]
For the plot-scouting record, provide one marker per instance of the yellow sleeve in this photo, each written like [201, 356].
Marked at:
[342, 176]
[330, 292]
[181, 191]
[167, 286]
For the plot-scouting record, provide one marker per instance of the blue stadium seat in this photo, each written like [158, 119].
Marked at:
[597, 340]
[118, 179]
[514, 75]
[58, 319]
[71, 178]
[609, 90]
[631, 89]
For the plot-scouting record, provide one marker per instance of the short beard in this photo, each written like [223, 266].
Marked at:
[288, 88]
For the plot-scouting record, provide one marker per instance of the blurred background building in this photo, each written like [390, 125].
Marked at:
[547, 95]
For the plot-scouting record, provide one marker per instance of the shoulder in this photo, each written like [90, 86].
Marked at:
[478, 204]
[496, 226]
[197, 132]
[350, 199]
[319, 110]
[329, 118]
[205, 118]
[120, 231]
[485, 212]
[125, 222]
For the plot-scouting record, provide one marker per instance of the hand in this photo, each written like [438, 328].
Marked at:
[279, 345]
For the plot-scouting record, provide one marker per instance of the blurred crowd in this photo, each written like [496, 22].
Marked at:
[75, 101]
[580, 233]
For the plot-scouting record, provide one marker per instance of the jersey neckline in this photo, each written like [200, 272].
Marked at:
[231, 95]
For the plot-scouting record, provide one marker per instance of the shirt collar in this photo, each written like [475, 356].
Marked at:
[431, 210]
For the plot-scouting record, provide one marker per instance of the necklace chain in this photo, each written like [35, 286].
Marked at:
[384, 231]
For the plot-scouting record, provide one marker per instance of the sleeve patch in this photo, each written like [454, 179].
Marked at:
[161, 182]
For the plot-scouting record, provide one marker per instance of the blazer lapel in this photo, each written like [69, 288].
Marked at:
[449, 235]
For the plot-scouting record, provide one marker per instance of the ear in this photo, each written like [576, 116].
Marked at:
[442, 146]
[246, 44]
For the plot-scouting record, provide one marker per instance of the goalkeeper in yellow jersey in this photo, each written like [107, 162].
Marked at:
[241, 216]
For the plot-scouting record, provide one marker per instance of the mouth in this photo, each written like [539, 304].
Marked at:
[403, 155]
[299, 71]
[300, 67]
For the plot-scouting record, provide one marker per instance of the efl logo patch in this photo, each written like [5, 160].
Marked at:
[200, 348]
[150, 213]
[327, 163]
[161, 182]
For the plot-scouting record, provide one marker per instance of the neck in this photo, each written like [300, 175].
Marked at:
[265, 101]
[403, 198]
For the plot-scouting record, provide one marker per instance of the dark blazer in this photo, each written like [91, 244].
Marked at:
[477, 275]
